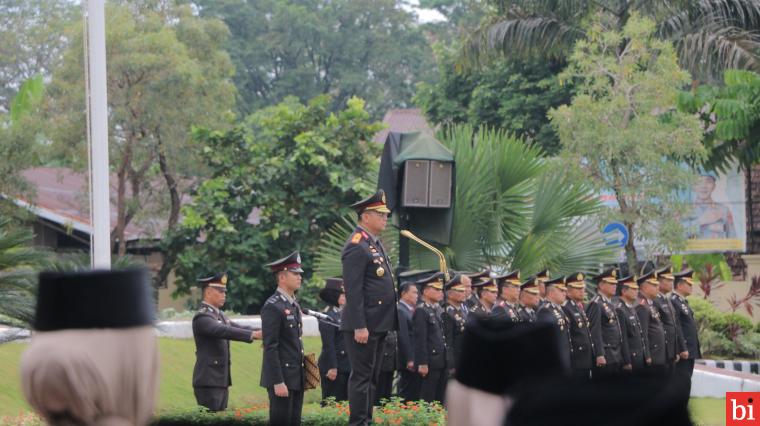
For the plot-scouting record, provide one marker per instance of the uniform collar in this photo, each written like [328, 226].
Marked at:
[290, 299]
[605, 298]
[371, 235]
[411, 308]
[679, 295]
[216, 311]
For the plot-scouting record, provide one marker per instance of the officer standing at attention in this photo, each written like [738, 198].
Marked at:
[541, 278]
[551, 312]
[333, 360]
[635, 346]
[429, 343]
[487, 292]
[651, 323]
[509, 292]
[528, 300]
[675, 347]
[605, 326]
[282, 367]
[683, 287]
[407, 304]
[584, 352]
[370, 311]
[212, 331]
[454, 318]
[472, 299]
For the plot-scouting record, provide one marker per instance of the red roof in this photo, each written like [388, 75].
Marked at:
[60, 195]
[404, 121]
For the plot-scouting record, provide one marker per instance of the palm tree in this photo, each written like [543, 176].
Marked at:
[710, 35]
[18, 274]
[514, 210]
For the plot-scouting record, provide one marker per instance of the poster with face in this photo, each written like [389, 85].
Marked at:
[717, 219]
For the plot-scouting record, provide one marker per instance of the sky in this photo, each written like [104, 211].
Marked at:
[424, 15]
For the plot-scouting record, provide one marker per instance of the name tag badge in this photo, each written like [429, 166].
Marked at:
[291, 317]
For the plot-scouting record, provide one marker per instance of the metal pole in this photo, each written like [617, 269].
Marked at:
[97, 111]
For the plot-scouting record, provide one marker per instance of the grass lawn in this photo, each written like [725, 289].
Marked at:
[177, 359]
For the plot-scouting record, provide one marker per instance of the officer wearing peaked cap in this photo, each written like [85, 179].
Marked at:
[651, 322]
[370, 311]
[551, 312]
[529, 299]
[212, 332]
[675, 347]
[683, 287]
[541, 278]
[429, 342]
[635, 346]
[509, 293]
[454, 318]
[487, 292]
[475, 278]
[282, 372]
[584, 352]
[605, 325]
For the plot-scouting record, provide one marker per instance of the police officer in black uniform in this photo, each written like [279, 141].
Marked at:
[551, 311]
[487, 292]
[407, 303]
[454, 318]
[333, 363]
[683, 287]
[635, 346]
[509, 293]
[370, 311]
[584, 352]
[475, 278]
[541, 278]
[282, 371]
[212, 332]
[606, 332]
[429, 342]
[388, 366]
[674, 343]
[651, 323]
[529, 299]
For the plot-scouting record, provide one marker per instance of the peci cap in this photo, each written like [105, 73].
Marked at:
[332, 291]
[94, 299]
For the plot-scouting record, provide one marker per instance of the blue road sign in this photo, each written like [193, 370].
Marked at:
[619, 234]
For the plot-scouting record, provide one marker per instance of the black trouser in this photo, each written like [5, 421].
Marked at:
[409, 385]
[433, 386]
[215, 399]
[384, 386]
[684, 370]
[582, 373]
[661, 369]
[337, 388]
[607, 370]
[365, 371]
[285, 411]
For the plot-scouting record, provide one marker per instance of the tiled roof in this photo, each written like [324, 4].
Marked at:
[404, 121]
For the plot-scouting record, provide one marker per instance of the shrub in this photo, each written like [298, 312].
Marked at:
[725, 335]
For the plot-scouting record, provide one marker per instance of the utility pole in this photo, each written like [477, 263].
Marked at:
[97, 129]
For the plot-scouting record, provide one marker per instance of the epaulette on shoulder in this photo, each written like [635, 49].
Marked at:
[596, 299]
[272, 299]
[356, 238]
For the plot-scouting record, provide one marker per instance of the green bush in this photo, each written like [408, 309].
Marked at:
[724, 334]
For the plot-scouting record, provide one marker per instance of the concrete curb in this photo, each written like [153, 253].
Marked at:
[715, 382]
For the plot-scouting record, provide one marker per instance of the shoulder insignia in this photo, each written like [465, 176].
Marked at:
[356, 238]
[364, 234]
[272, 299]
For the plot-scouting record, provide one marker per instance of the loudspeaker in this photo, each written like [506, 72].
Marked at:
[440, 184]
[415, 185]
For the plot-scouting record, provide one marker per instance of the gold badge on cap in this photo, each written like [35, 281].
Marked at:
[380, 271]
[382, 197]
[613, 273]
[579, 277]
[224, 279]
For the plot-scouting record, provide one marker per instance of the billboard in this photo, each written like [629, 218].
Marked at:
[717, 218]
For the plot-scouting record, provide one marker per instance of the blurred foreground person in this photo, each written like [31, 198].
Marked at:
[93, 359]
[212, 331]
[498, 358]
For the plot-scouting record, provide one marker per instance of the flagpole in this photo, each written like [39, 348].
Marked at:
[97, 114]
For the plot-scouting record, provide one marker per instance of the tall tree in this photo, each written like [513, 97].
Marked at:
[514, 95]
[32, 39]
[709, 35]
[167, 71]
[276, 186]
[372, 49]
[622, 132]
